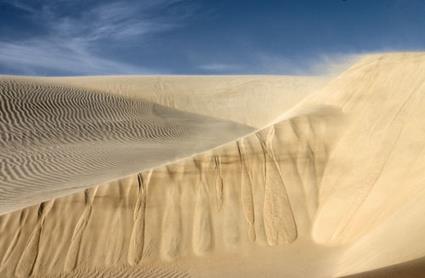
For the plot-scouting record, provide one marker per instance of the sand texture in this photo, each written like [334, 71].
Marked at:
[256, 101]
[330, 185]
[55, 140]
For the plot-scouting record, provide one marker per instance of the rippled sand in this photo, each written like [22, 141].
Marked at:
[324, 181]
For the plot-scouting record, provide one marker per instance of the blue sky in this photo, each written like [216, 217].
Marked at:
[83, 37]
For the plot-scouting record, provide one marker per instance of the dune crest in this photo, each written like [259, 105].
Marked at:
[332, 188]
[247, 194]
[255, 101]
[56, 140]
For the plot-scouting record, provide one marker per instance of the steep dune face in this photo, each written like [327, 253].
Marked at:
[258, 192]
[381, 149]
[55, 140]
[375, 206]
[334, 188]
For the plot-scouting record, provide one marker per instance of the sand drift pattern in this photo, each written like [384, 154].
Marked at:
[55, 138]
[333, 186]
[237, 196]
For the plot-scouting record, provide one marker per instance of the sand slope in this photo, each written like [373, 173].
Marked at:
[334, 188]
[258, 192]
[250, 100]
[55, 140]
[376, 205]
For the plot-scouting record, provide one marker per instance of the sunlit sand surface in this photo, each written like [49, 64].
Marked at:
[241, 176]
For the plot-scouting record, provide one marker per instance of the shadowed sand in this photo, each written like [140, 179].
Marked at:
[330, 186]
[250, 100]
[56, 139]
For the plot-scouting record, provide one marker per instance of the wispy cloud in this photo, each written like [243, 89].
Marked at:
[266, 63]
[19, 5]
[70, 42]
[325, 64]
[219, 67]
[120, 20]
[34, 56]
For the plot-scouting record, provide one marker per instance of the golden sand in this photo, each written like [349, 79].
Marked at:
[330, 185]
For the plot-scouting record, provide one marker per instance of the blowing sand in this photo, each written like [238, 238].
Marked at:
[330, 185]
[256, 101]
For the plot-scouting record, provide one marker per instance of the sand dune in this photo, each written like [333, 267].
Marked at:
[415, 268]
[233, 98]
[232, 199]
[56, 140]
[332, 188]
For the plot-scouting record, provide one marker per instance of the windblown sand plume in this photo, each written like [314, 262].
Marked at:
[330, 185]
[233, 98]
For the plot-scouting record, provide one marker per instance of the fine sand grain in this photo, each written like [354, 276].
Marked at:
[250, 100]
[330, 185]
[55, 140]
